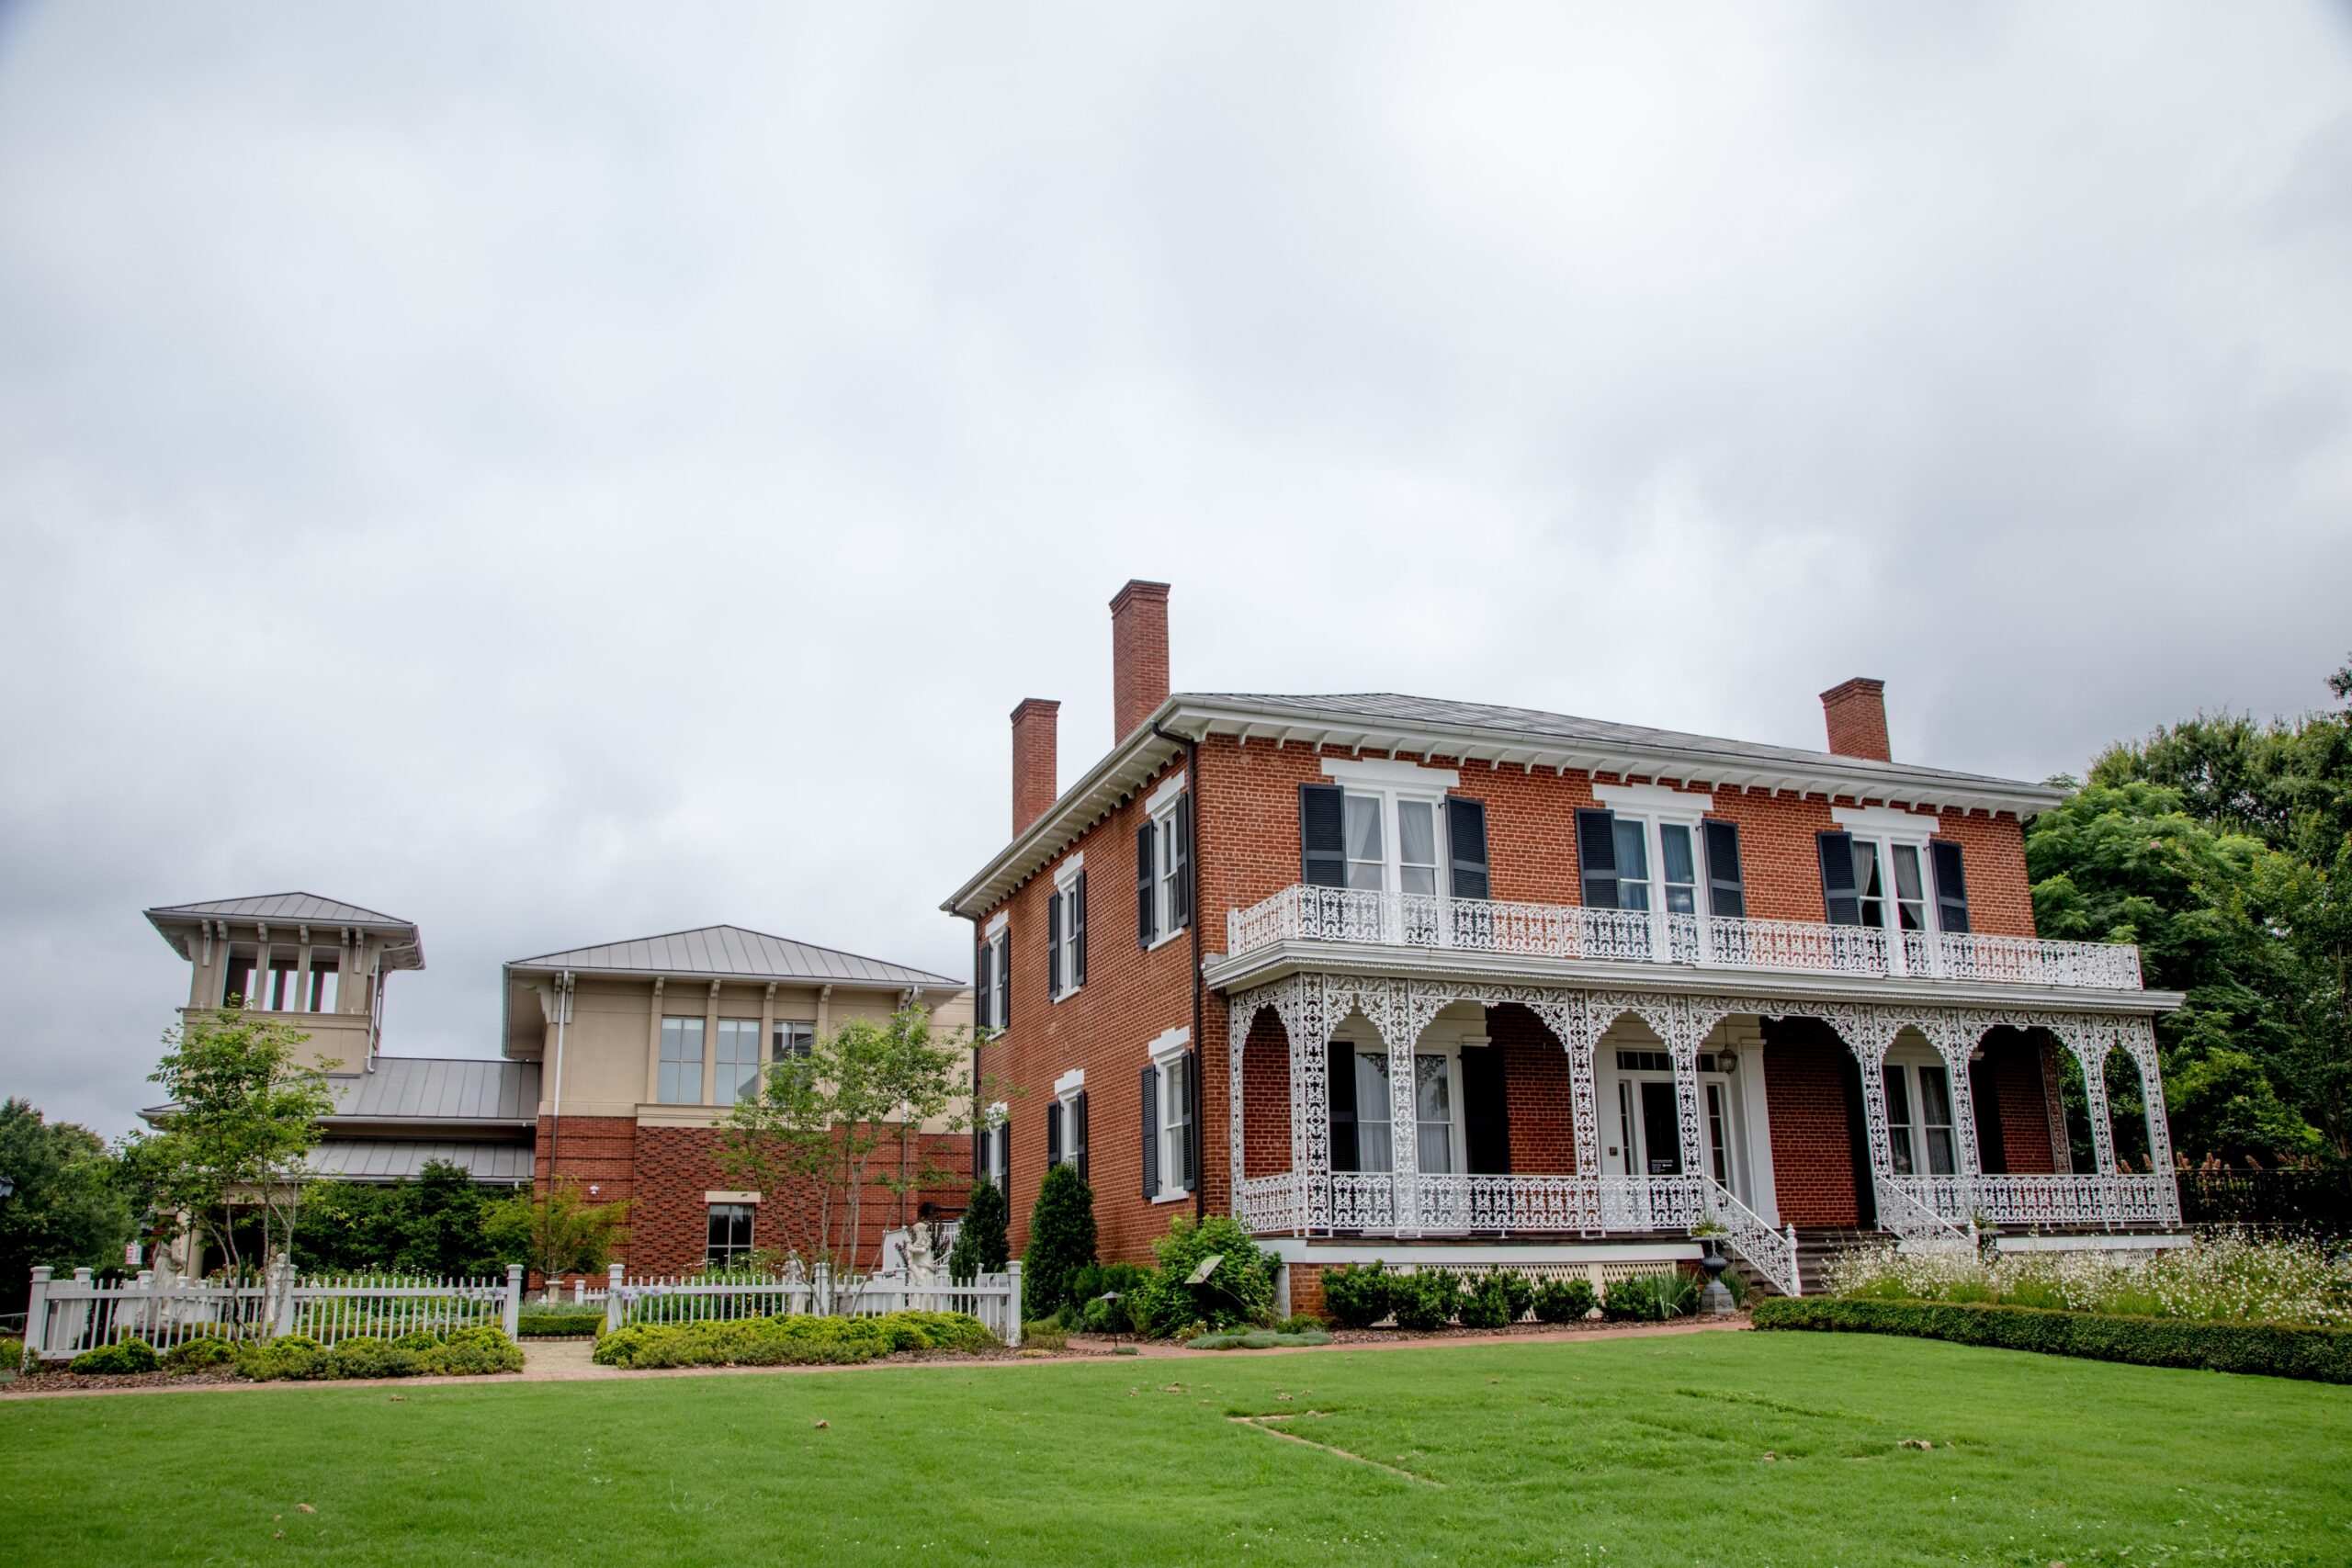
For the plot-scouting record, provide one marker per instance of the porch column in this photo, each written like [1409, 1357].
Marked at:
[2140, 1042]
[1685, 1053]
[1955, 1041]
[2090, 1040]
[2053, 1103]
[1867, 1032]
[1571, 1023]
[1404, 1129]
[1302, 1005]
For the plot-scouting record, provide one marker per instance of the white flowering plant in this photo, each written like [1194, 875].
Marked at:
[2219, 1279]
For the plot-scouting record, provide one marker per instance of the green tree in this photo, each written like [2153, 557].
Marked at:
[69, 1211]
[556, 1232]
[430, 1225]
[982, 1246]
[847, 1121]
[233, 1146]
[1062, 1241]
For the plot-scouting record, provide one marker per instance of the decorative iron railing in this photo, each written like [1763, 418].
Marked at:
[2124, 1199]
[1300, 913]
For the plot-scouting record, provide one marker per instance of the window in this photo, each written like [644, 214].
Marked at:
[680, 1082]
[1656, 857]
[1887, 874]
[323, 986]
[1433, 1112]
[1065, 930]
[792, 1041]
[995, 1148]
[1380, 822]
[1633, 863]
[1436, 1121]
[1066, 1122]
[1918, 1118]
[285, 985]
[1003, 970]
[1167, 1121]
[738, 1058]
[731, 1235]
[991, 999]
[1163, 866]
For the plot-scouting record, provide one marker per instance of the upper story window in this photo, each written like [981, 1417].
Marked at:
[1066, 1122]
[1392, 827]
[1164, 865]
[1884, 870]
[1066, 929]
[679, 1081]
[992, 975]
[1654, 849]
[737, 1059]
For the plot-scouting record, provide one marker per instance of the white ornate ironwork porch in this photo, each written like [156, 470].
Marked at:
[1312, 1199]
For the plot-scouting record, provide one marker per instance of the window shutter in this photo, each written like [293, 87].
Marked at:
[1951, 885]
[1727, 894]
[1077, 932]
[985, 985]
[1190, 1137]
[1077, 1130]
[1054, 1133]
[1840, 898]
[979, 1152]
[1486, 1115]
[1150, 1096]
[1341, 1083]
[1466, 837]
[1002, 1164]
[1004, 980]
[1147, 848]
[1180, 896]
[1323, 835]
[1053, 945]
[1597, 857]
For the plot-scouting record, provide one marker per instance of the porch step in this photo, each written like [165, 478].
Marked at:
[1817, 1250]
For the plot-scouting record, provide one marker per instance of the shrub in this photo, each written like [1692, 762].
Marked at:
[1563, 1300]
[2225, 1279]
[12, 1353]
[1240, 1289]
[462, 1352]
[558, 1324]
[2278, 1350]
[980, 1244]
[119, 1359]
[1487, 1304]
[1084, 1311]
[1062, 1241]
[1425, 1298]
[1257, 1339]
[195, 1355]
[1519, 1291]
[794, 1339]
[1301, 1322]
[1046, 1334]
[1652, 1297]
[1358, 1295]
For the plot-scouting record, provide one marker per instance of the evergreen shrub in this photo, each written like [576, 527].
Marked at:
[1241, 1290]
[1563, 1300]
[195, 1355]
[980, 1243]
[1062, 1241]
[1487, 1305]
[1426, 1299]
[122, 1358]
[793, 1340]
[1358, 1295]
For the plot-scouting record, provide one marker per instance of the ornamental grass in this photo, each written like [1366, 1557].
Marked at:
[2223, 1279]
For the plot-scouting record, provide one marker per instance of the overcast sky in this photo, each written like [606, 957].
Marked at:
[566, 473]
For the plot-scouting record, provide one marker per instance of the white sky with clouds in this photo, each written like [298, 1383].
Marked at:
[558, 475]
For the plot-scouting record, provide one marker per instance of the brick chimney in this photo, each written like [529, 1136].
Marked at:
[1855, 710]
[1033, 725]
[1138, 655]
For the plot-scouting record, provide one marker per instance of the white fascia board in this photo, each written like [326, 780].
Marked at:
[1655, 800]
[1882, 819]
[1379, 770]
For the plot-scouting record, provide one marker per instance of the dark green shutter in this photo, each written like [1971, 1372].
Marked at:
[1053, 945]
[1727, 894]
[1341, 1080]
[1077, 932]
[1839, 897]
[1146, 864]
[987, 984]
[1597, 858]
[1150, 1096]
[1466, 837]
[1486, 1112]
[1054, 1135]
[1180, 896]
[1190, 1139]
[1077, 1130]
[1004, 981]
[1951, 885]
[1323, 835]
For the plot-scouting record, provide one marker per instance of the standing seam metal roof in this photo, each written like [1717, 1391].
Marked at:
[301, 907]
[731, 950]
[441, 1088]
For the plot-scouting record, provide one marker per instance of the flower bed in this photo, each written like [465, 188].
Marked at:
[795, 1339]
[133, 1364]
[2223, 1279]
[2278, 1349]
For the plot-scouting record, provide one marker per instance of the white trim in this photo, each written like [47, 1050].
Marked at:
[1165, 795]
[731, 1198]
[1376, 771]
[995, 928]
[2100, 1243]
[1877, 819]
[1070, 1083]
[1654, 798]
[1171, 1045]
[995, 1116]
[1065, 871]
[1295, 1249]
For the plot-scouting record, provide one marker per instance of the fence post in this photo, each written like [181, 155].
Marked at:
[37, 1315]
[284, 1273]
[612, 1298]
[1012, 1303]
[514, 1314]
[81, 1310]
[822, 1298]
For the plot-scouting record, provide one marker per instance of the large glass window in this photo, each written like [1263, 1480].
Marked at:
[729, 1233]
[1172, 1113]
[1417, 846]
[1910, 899]
[1919, 1118]
[1633, 863]
[680, 1081]
[1898, 1118]
[1935, 1120]
[1870, 882]
[1373, 1150]
[1367, 851]
[1433, 1112]
[1437, 1139]
[1678, 866]
[738, 1058]
[1395, 843]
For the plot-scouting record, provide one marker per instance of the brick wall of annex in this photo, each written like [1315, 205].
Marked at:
[1812, 1152]
[2014, 1061]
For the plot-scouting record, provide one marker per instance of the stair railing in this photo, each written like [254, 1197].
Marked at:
[1771, 1253]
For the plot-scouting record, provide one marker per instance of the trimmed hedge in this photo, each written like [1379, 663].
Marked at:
[462, 1352]
[797, 1339]
[2276, 1350]
[1255, 1339]
[582, 1321]
[127, 1355]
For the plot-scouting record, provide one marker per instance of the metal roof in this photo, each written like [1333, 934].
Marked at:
[734, 952]
[439, 1089]
[294, 909]
[387, 1159]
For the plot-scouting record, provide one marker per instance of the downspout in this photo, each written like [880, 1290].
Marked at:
[1200, 1166]
[554, 1119]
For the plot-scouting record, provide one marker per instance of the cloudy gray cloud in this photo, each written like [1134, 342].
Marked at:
[558, 476]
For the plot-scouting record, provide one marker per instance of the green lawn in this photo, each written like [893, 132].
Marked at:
[1630, 1452]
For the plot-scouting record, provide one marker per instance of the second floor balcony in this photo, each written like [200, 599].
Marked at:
[1430, 921]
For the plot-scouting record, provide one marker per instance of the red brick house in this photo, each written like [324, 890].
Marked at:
[1439, 981]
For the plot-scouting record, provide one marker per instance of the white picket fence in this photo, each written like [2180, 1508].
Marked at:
[66, 1317]
[994, 1299]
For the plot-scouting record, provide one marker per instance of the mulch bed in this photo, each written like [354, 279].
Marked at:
[53, 1380]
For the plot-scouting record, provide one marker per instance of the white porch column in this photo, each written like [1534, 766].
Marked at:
[1404, 1130]
[1570, 1020]
[2090, 1040]
[2139, 1044]
[1302, 1004]
[1867, 1032]
[1955, 1041]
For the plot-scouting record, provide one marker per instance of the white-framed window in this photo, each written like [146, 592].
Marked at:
[1436, 1107]
[1163, 898]
[1066, 929]
[1919, 1118]
[680, 1081]
[735, 1053]
[1396, 838]
[1171, 1136]
[1001, 978]
[1066, 1122]
[996, 1146]
[1899, 882]
[1661, 861]
[729, 1233]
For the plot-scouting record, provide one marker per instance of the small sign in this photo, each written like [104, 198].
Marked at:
[1208, 1267]
[131, 1254]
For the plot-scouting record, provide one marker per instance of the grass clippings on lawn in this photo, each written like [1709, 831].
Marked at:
[1717, 1447]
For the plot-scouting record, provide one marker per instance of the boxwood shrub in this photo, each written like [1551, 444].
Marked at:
[12, 1353]
[1563, 1300]
[461, 1352]
[2278, 1350]
[795, 1339]
[570, 1322]
[1426, 1299]
[1358, 1295]
[195, 1355]
[123, 1357]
